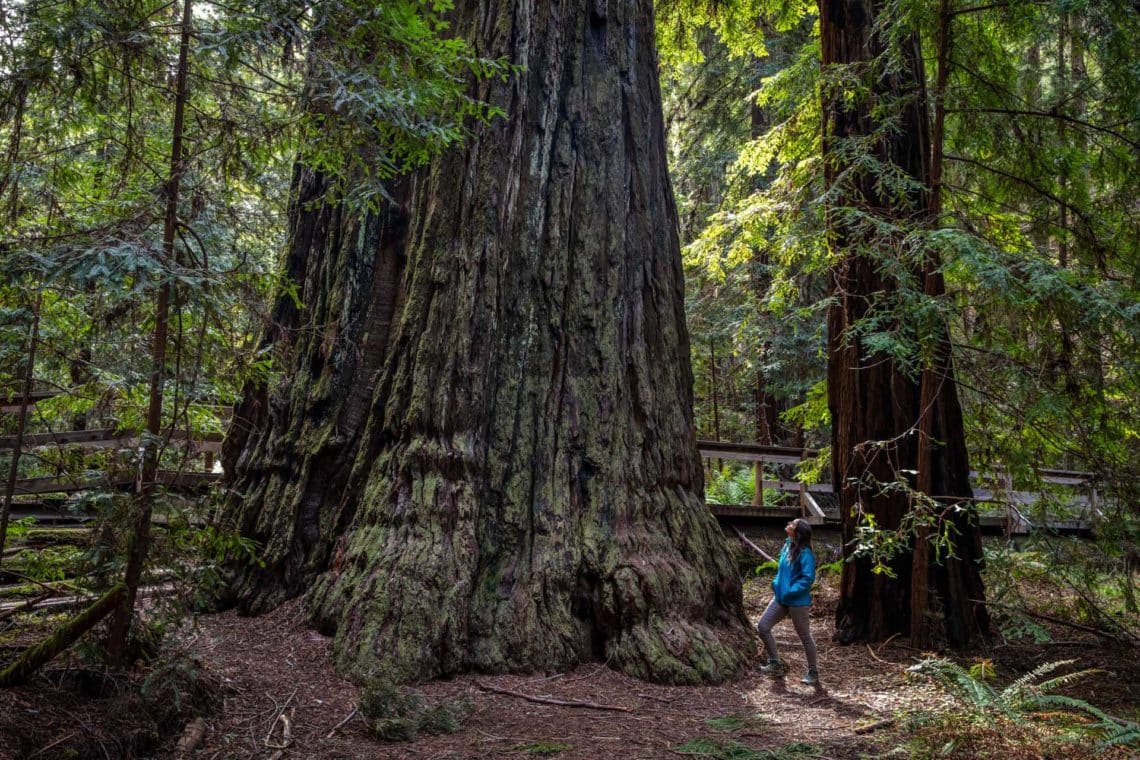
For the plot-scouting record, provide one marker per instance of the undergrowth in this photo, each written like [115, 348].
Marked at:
[732, 750]
[1025, 718]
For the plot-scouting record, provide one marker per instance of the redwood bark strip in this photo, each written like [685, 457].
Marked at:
[526, 491]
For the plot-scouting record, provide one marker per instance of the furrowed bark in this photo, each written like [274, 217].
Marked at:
[290, 448]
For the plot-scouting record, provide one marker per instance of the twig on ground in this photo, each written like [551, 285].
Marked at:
[549, 701]
[57, 742]
[875, 656]
[888, 641]
[288, 732]
[875, 726]
[1122, 637]
[657, 699]
[349, 717]
[752, 546]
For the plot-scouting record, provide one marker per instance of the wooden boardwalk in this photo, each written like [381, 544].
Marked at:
[1001, 507]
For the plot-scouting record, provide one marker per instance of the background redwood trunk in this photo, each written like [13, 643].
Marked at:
[875, 406]
[527, 490]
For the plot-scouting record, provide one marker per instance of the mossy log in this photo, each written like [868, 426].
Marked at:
[35, 657]
[492, 467]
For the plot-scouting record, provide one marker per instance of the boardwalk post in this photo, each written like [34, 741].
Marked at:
[758, 478]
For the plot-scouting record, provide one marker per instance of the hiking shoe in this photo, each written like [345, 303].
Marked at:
[774, 668]
[811, 679]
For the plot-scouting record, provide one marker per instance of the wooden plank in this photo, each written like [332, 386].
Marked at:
[815, 514]
[10, 401]
[753, 452]
[172, 479]
[168, 478]
[108, 438]
[67, 485]
[750, 512]
[1055, 477]
[794, 486]
[32, 440]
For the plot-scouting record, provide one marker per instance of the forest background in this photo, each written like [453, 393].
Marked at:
[145, 186]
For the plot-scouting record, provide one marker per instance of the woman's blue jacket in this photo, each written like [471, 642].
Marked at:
[792, 584]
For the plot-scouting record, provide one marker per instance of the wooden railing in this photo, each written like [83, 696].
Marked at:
[1011, 502]
[807, 500]
[205, 444]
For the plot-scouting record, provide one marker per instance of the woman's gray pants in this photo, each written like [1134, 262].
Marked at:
[774, 614]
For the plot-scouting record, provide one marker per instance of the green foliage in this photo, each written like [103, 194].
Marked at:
[175, 687]
[543, 748]
[397, 713]
[1036, 240]
[1029, 701]
[49, 564]
[736, 751]
[737, 722]
[884, 547]
[359, 91]
[1068, 578]
[831, 568]
[768, 566]
[731, 485]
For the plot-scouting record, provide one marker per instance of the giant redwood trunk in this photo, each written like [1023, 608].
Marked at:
[481, 454]
[875, 406]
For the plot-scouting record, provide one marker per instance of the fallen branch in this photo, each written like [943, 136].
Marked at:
[25, 606]
[287, 734]
[752, 546]
[349, 717]
[657, 699]
[549, 701]
[875, 726]
[34, 657]
[1060, 621]
[877, 657]
[54, 744]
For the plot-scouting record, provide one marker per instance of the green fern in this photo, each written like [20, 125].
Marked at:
[1127, 735]
[1025, 696]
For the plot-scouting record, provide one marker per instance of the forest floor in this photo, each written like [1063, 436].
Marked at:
[250, 672]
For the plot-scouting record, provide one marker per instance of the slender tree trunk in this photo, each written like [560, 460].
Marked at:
[138, 543]
[876, 409]
[21, 423]
[526, 490]
[715, 390]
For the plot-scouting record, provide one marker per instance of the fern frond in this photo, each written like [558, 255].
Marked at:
[1041, 670]
[1065, 680]
[1127, 736]
[1072, 704]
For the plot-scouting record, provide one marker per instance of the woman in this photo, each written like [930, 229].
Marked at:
[792, 596]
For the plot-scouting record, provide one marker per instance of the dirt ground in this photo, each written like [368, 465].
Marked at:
[265, 677]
